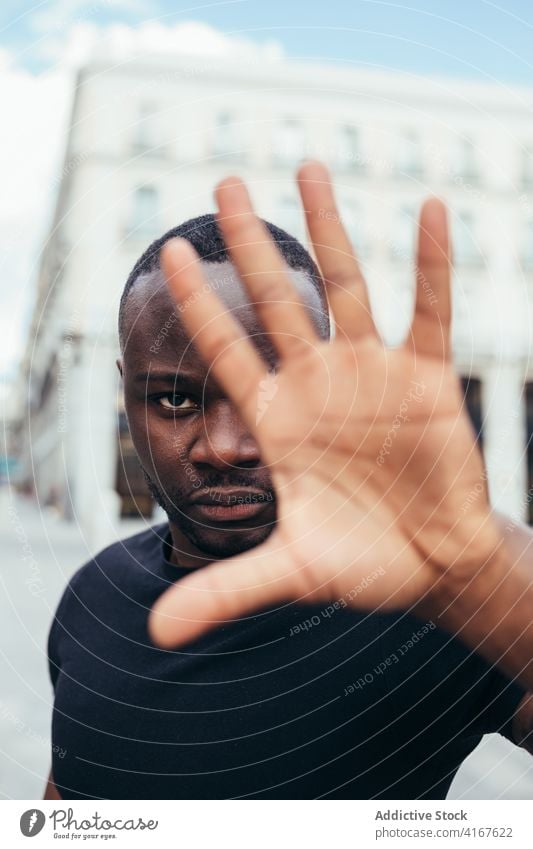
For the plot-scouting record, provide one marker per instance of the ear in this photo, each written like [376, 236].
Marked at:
[120, 366]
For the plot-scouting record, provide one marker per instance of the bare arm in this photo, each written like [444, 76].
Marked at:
[51, 790]
[402, 462]
[492, 611]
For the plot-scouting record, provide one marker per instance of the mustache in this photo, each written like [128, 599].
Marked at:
[180, 495]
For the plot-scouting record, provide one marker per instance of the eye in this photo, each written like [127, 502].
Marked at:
[175, 401]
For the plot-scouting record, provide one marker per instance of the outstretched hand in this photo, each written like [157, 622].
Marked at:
[370, 449]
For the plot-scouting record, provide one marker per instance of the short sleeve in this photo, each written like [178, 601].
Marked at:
[59, 629]
[54, 639]
[500, 697]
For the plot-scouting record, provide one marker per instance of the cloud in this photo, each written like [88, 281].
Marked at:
[119, 42]
[61, 14]
[189, 37]
[34, 111]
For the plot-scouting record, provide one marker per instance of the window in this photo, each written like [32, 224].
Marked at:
[403, 236]
[465, 249]
[289, 216]
[529, 414]
[527, 167]
[143, 220]
[354, 224]
[145, 138]
[472, 395]
[526, 256]
[348, 153]
[288, 142]
[465, 160]
[409, 155]
[226, 138]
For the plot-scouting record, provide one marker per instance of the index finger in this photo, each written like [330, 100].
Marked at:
[430, 328]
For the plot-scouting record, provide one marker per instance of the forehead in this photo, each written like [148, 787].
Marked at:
[152, 326]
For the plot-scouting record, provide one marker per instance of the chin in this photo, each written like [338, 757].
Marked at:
[225, 543]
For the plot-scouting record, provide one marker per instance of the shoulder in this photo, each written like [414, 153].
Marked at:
[100, 589]
[116, 564]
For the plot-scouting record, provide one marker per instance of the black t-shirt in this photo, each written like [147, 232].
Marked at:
[293, 702]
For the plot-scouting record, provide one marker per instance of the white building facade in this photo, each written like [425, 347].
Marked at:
[149, 139]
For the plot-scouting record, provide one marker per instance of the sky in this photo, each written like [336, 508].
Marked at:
[42, 42]
[474, 38]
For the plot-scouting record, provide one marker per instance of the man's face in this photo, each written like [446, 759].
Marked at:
[202, 465]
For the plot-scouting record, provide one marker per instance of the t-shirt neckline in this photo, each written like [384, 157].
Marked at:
[171, 570]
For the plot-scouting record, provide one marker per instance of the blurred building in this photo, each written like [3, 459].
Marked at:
[148, 139]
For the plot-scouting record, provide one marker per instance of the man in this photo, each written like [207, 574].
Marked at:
[370, 618]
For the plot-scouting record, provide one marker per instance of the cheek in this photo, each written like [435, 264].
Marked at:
[160, 443]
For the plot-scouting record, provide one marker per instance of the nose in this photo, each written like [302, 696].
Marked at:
[223, 440]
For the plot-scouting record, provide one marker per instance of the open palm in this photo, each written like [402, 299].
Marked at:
[371, 452]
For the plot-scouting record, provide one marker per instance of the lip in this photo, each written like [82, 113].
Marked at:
[230, 505]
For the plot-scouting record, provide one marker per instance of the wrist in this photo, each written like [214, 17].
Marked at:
[462, 589]
[489, 609]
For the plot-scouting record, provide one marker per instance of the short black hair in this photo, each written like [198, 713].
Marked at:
[204, 235]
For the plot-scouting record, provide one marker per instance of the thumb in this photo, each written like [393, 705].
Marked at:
[226, 590]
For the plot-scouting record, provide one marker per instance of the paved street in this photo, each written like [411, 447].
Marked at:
[39, 553]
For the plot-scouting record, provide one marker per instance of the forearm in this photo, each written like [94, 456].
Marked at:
[492, 612]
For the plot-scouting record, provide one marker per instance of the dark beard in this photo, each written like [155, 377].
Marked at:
[221, 544]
